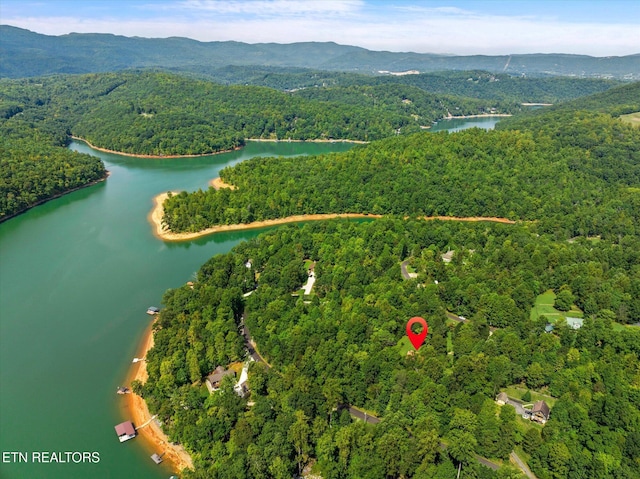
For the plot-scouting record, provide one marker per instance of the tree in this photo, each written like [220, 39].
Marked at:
[299, 436]
[564, 300]
[461, 436]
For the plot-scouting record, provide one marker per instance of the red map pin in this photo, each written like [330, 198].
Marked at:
[417, 338]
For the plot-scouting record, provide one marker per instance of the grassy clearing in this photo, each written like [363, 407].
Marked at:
[624, 327]
[544, 306]
[516, 392]
[632, 118]
[405, 346]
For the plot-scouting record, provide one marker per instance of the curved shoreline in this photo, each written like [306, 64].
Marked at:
[155, 218]
[217, 183]
[135, 409]
[159, 157]
[199, 155]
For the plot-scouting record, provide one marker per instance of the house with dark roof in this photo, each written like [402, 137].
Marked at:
[215, 378]
[540, 412]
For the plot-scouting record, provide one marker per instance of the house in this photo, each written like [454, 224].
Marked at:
[215, 378]
[540, 412]
[502, 399]
[125, 431]
[548, 328]
[153, 310]
[574, 323]
[448, 256]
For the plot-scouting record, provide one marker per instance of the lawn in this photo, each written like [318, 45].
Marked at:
[516, 392]
[633, 118]
[624, 327]
[405, 346]
[544, 306]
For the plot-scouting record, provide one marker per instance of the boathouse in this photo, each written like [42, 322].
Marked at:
[125, 431]
[153, 310]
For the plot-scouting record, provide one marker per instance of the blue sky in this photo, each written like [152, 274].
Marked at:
[592, 27]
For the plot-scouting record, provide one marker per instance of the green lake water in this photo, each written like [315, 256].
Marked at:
[458, 124]
[76, 277]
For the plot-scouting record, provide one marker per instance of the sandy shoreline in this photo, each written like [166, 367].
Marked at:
[135, 409]
[217, 183]
[155, 218]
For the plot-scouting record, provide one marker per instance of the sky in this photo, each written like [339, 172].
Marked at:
[591, 27]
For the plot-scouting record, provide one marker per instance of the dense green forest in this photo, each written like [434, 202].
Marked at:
[575, 173]
[342, 346]
[164, 114]
[35, 164]
[473, 84]
[571, 177]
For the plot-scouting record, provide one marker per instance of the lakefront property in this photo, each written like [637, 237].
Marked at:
[125, 431]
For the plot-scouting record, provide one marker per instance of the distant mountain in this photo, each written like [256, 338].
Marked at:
[24, 53]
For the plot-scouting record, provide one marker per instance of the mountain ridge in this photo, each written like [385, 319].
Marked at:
[24, 53]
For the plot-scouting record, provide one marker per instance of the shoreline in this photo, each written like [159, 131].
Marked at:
[217, 183]
[57, 195]
[157, 157]
[483, 115]
[135, 409]
[155, 218]
[199, 155]
[318, 140]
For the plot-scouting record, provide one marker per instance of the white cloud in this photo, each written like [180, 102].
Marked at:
[406, 28]
[273, 7]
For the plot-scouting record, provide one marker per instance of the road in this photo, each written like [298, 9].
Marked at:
[357, 413]
[405, 273]
[522, 465]
[368, 418]
[455, 317]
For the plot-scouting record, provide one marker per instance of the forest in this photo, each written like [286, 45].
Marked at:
[161, 114]
[152, 113]
[472, 84]
[569, 177]
[35, 164]
[574, 173]
[343, 346]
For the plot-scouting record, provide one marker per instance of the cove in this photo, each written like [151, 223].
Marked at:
[76, 277]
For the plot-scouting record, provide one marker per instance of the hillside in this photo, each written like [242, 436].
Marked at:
[165, 114]
[474, 84]
[587, 166]
[24, 53]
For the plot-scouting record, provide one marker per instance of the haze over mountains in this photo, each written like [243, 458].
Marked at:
[24, 53]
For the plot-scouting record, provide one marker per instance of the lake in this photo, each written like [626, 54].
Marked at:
[77, 275]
